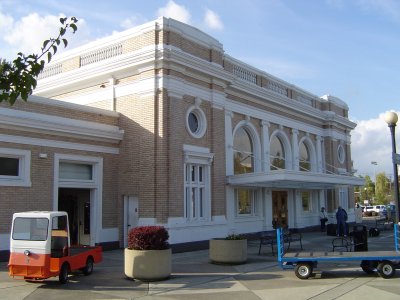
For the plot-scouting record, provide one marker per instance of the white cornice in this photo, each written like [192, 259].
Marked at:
[56, 144]
[96, 73]
[35, 122]
[77, 107]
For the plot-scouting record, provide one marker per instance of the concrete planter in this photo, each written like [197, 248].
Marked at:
[148, 265]
[224, 251]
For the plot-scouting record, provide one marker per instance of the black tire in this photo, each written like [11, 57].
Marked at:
[63, 276]
[369, 266]
[88, 269]
[386, 269]
[303, 270]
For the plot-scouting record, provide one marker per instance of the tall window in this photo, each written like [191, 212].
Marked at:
[305, 161]
[306, 201]
[245, 202]
[195, 191]
[243, 157]
[277, 154]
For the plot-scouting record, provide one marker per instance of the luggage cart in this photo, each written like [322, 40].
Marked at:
[303, 263]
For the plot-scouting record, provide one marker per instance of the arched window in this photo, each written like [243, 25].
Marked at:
[243, 157]
[305, 158]
[277, 154]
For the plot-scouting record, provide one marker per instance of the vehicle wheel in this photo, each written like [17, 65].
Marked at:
[303, 270]
[88, 269]
[369, 266]
[63, 276]
[386, 269]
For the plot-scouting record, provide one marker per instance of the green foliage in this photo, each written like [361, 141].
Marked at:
[18, 78]
[235, 236]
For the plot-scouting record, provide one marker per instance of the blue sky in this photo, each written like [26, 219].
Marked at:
[346, 48]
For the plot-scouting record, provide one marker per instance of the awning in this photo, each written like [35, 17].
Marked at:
[294, 180]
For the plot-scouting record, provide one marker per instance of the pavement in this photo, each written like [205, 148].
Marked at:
[194, 277]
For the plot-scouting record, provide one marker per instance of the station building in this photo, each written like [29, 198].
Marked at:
[158, 125]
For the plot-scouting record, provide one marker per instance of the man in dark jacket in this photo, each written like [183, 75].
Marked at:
[341, 218]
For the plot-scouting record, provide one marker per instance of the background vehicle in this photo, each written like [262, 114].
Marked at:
[40, 248]
[381, 209]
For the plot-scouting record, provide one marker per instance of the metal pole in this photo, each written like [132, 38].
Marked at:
[395, 172]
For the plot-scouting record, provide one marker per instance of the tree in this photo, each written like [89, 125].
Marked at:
[367, 190]
[18, 78]
[382, 187]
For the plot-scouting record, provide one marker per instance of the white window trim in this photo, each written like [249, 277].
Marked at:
[24, 178]
[254, 204]
[95, 185]
[194, 155]
[202, 121]
[341, 153]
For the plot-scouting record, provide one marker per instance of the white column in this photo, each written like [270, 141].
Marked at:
[265, 167]
[295, 149]
[267, 210]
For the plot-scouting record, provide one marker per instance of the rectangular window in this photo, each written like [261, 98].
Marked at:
[195, 191]
[245, 202]
[306, 201]
[30, 229]
[15, 167]
[75, 171]
[9, 166]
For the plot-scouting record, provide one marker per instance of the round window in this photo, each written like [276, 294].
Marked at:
[341, 154]
[196, 122]
[193, 122]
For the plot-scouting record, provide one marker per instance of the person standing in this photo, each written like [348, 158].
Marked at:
[341, 218]
[323, 218]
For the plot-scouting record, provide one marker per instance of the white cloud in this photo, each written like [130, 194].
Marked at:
[132, 21]
[175, 11]
[27, 34]
[370, 141]
[6, 23]
[212, 20]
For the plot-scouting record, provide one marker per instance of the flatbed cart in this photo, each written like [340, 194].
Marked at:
[303, 263]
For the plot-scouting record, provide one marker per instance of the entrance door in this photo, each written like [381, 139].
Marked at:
[279, 209]
[76, 202]
[131, 215]
[84, 222]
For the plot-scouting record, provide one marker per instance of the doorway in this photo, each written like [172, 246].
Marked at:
[279, 209]
[76, 202]
[131, 215]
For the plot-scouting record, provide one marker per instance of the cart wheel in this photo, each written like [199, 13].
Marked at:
[88, 269]
[386, 269]
[303, 270]
[369, 266]
[63, 276]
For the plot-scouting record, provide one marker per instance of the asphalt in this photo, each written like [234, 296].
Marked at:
[194, 277]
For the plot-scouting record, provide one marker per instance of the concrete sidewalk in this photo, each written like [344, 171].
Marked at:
[195, 278]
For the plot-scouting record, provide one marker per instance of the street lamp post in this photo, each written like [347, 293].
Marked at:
[391, 119]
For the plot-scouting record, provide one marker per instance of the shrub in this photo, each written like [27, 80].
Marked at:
[235, 236]
[148, 238]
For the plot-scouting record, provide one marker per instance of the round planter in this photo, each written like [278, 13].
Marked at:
[148, 265]
[224, 251]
